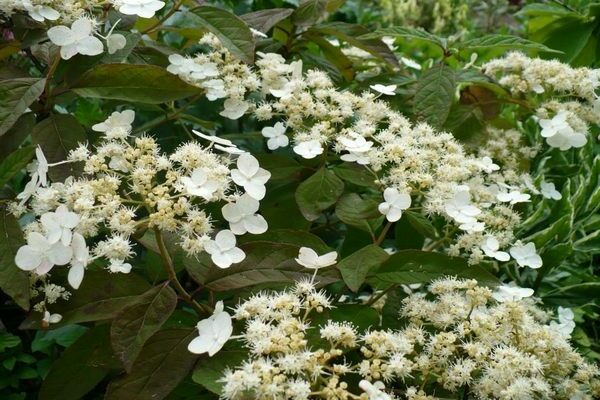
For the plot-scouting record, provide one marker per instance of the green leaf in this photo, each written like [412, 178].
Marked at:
[355, 174]
[8, 341]
[495, 41]
[554, 256]
[362, 213]
[415, 266]
[353, 35]
[421, 224]
[571, 38]
[101, 296]
[589, 243]
[136, 323]
[15, 136]
[231, 30]
[209, 370]
[265, 262]
[57, 135]
[16, 95]
[13, 281]
[318, 193]
[264, 20]
[14, 163]
[162, 364]
[356, 266]
[409, 33]
[64, 336]
[435, 94]
[80, 368]
[309, 12]
[289, 236]
[133, 82]
[557, 231]
[334, 55]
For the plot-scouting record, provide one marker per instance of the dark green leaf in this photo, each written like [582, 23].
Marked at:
[13, 281]
[16, 135]
[355, 174]
[435, 94]
[101, 296]
[589, 243]
[495, 41]
[163, 363]
[289, 236]
[133, 82]
[569, 37]
[410, 33]
[318, 193]
[362, 213]
[209, 370]
[264, 20]
[420, 223]
[8, 340]
[136, 323]
[265, 262]
[356, 266]
[415, 266]
[230, 29]
[352, 34]
[334, 55]
[14, 163]
[309, 12]
[80, 368]
[57, 135]
[16, 95]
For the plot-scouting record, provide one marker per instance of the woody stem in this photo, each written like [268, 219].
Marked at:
[170, 268]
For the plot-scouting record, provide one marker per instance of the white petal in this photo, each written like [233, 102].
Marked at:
[81, 28]
[49, 13]
[90, 46]
[256, 224]
[328, 259]
[307, 257]
[60, 35]
[68, 51]
[502, 256]
[236, 255]
[28, 258]
[38, 241]
[115, 42]
[247, 164]
[394, 214]
[247, 205]
[231, 213]
[75, 276]
[59, 254]
[221, 260]
[201, 344]
[257, 191]
[225, 239]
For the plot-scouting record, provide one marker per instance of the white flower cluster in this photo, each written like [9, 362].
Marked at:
[564, 122]
[128, 185]
[414, 165]
[460, 338]
[68, 11]
[78, 24]
[65, 11]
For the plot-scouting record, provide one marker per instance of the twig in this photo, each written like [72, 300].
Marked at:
[170, 268]
[383, 233]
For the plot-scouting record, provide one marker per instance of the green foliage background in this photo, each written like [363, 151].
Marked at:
[305, 204]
